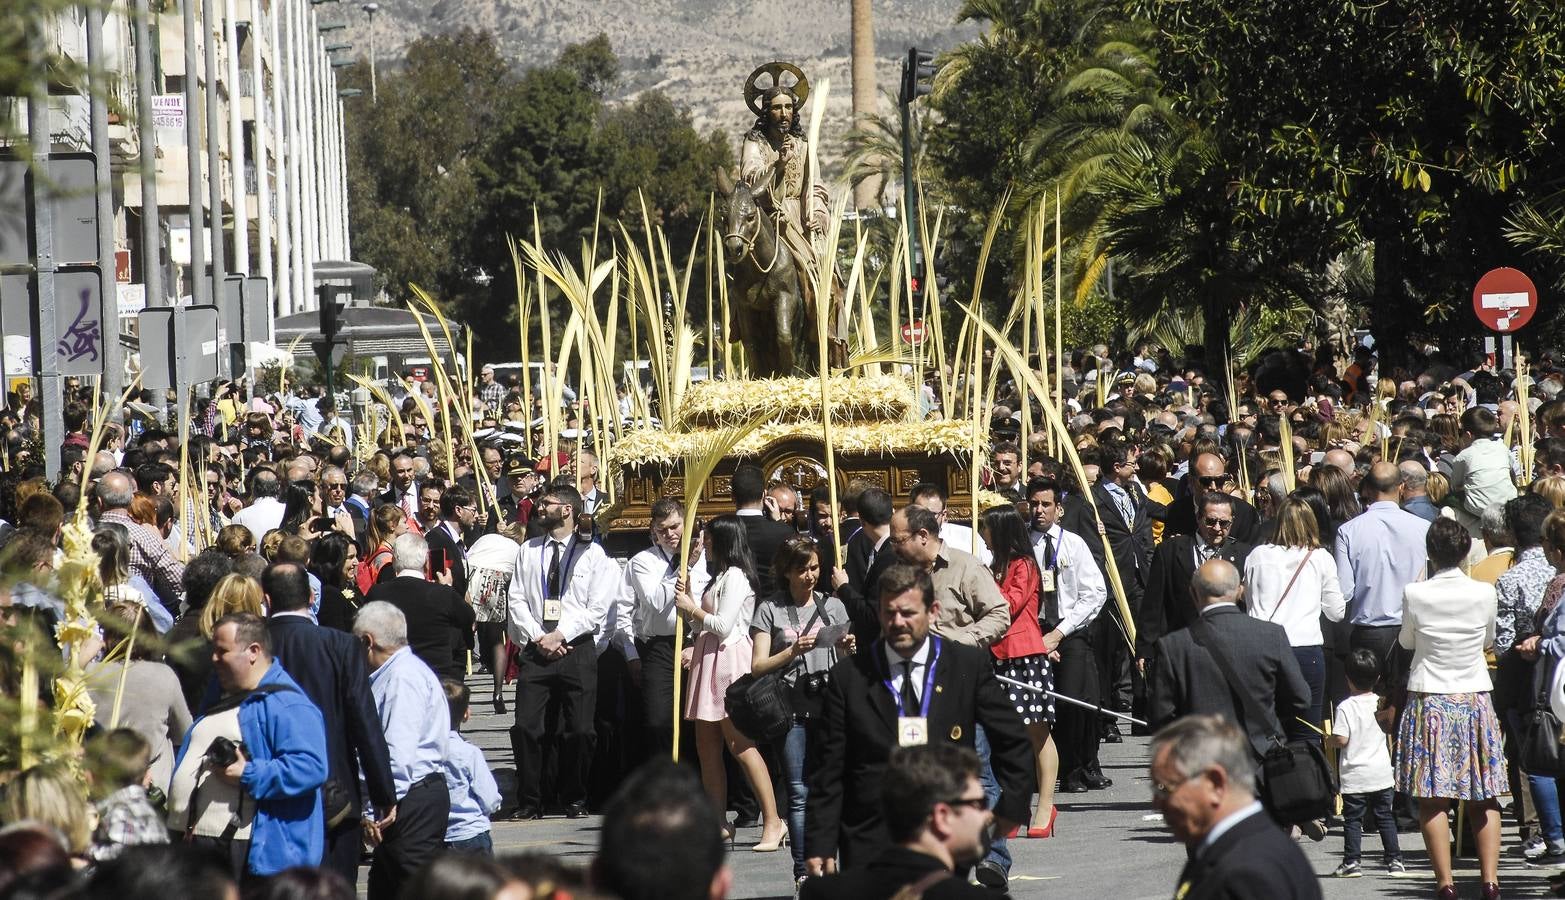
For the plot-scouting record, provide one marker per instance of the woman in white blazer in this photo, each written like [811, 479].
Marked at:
[1448, 744]
[1293, 582]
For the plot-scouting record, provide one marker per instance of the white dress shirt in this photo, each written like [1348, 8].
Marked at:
[1078, 582]
[1317, 590]
[967, 540]
[591, 583]
[920, 661]
[264, 515]
[646, 599]
[414, 715]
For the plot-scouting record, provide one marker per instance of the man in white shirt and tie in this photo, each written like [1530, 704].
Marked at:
[560, 598]
[1073, 594]
[404, 486]
[646, 611]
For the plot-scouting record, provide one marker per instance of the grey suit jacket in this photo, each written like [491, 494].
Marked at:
[1186, 680]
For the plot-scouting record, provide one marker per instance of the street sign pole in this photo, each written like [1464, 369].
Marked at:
[98, 91]
[1504, 300]
[47, 354]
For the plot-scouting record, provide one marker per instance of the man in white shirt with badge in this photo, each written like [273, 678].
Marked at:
[1073, 593]
[646, 611]
[562, 593]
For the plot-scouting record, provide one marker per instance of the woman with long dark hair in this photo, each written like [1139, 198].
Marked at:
[335, 561]
[720, 655]
[784, 632]
[1019, 655]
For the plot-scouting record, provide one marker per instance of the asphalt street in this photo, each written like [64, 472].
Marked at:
[1110, 843]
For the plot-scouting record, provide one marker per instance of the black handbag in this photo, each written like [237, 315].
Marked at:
[762, 706]
[1297, 784]
[1541, 753]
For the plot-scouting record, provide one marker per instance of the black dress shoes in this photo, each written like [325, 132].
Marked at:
[989, 874]
[1097, 781]
[525, 813]
[1075, 784]
[575, 810]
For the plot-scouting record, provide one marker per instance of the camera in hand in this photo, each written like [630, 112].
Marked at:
[222, 753]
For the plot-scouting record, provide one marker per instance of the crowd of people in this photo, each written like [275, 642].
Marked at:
[288, 646]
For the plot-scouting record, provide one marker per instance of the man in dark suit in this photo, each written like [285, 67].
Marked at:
[447, 543]
[1186, 680]
[868, 554]
[766, 535]
[404, 489]
[939, 691]
[1166, 607]
[330, 668]
[936, 813]
[1203, 782]
[1126, 514]
[1208, 472]
[438, 620]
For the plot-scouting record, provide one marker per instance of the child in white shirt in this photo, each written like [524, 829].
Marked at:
[1364, 768]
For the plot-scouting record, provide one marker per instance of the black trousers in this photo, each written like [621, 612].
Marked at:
[1381, 640]
[572, 682]
[1113, 656]
[343, 845]
[657, 695]
[617, 725]
[413, 840]
[1076, 730]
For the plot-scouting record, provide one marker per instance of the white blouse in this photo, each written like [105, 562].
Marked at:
[730, 605]
[1267, 571]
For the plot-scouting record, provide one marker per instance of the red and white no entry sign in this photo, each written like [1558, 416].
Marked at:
[1505, 300]
[913, 332]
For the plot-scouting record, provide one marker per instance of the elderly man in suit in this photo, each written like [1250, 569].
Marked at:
[1185, 679]
[1166, 607]
[1208, 472]
[908, 689]
[438, 620]
[1203, 782]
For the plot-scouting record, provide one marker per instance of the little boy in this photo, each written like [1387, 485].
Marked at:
[1364, 768]
[474, 794]
[122, 759]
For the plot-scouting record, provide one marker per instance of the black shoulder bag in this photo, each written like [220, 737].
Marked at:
[761, 706]
[1541, 753]
[1296, 782]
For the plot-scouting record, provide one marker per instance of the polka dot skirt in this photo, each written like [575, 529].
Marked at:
[1033, 707]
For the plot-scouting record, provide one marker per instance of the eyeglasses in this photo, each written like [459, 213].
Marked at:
[1213, 480]
[1214, 522]
[335, 486]
[1164, 790]
[979, 804]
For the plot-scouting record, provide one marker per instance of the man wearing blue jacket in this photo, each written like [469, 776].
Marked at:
[248, 777]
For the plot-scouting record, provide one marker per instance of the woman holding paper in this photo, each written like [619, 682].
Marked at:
[792, 631]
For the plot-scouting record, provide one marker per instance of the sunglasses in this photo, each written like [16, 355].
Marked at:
[1214, 522]
[1213, 480]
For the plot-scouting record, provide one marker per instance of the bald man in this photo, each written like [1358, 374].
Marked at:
[1342, 459]
[1208, 472]
[1186, 679]
[1415, 490]
[149, 556]
[1379, 553]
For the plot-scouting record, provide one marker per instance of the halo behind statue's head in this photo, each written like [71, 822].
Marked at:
[773, 75]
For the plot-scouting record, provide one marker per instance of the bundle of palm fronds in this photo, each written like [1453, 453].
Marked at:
[866, 398]
[652, 447]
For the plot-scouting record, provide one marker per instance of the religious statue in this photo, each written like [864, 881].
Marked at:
[776, 213]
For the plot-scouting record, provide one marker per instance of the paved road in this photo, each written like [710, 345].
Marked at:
[1110, 843]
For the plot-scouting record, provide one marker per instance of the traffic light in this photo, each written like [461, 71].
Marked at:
[918, 74]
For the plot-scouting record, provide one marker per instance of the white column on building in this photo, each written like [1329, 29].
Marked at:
[263, 141]
[342, 177]
[236, 143]
[334, 135]
[308, 110]
[295, 69]
[282, 281]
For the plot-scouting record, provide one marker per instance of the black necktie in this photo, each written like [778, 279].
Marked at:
[909, 698]
[554, 573]
[1051, 599]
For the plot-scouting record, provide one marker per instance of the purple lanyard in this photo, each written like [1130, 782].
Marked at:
[929, 682]
[565, 567]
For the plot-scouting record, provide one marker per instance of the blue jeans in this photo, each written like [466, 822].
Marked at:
[1545, 792]
[1379, 805]
[794, 749]
[477, 845]
[1312, 662]
[998, 852]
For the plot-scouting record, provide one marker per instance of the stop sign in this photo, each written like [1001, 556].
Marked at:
[913, 332]
[1505, 299]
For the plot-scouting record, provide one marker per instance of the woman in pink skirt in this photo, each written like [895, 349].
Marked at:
[720, 655]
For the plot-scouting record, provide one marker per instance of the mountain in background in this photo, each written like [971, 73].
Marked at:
[699, 52]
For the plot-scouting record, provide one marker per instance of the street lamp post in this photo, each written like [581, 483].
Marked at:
[369, 10]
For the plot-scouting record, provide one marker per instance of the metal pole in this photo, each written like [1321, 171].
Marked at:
[283, 279]
[46, 353]
[113, 366]
[262, 142]
[236, 141]
[909, 200]
[214, 139]
[1071, 700]
[151, 232]
[294, 68]
[199, 290]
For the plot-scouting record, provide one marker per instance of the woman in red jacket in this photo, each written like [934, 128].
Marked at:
[1019, 655]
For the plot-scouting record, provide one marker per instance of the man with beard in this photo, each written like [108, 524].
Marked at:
[561, 595]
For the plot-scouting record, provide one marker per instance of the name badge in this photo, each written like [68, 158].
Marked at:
[1047, 579]
[551, 610]
[912, 731]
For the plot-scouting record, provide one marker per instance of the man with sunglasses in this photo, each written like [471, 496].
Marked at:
[1166, 607]
[939, 818]
[1209, 472]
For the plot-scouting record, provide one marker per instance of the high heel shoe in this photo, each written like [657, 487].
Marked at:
[728, 832]
[1046, 831]
[1490, 891]
[774, 845]
[1445, 892]
[499, 705]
